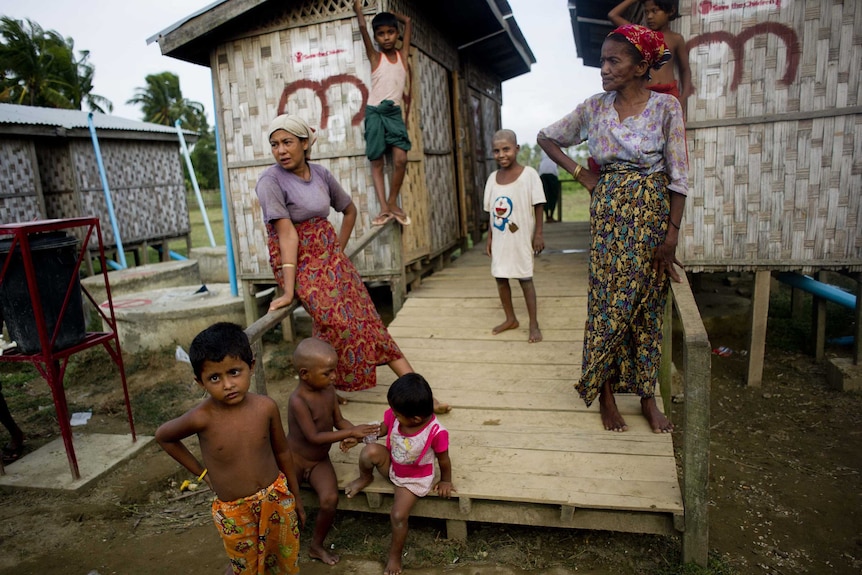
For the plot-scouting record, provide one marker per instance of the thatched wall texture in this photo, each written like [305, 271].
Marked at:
[21, 192]
[775, 135]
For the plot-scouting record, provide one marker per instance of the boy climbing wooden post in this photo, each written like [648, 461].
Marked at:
[657, 17]
[384, 126]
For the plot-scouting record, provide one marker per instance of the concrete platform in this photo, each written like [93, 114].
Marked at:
[140, 278]
[842, 375]
[48, 466]
[165, 318]
[212, 263]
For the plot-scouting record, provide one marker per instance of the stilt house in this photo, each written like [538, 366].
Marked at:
[306, 57]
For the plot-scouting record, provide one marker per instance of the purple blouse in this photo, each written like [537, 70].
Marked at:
[653, 140]
[283, 194]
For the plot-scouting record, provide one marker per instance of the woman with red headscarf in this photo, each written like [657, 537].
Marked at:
[638, 139]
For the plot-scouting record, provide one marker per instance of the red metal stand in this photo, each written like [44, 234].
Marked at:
[51, 363]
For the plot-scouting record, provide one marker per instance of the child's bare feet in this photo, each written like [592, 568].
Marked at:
[535, 334]
[319, 552]
[657, 420]
[357, 485]
[393, 566]
[611, 417]
[441, 408]
[506, 325]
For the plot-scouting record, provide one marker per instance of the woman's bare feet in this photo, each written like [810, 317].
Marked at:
[319, 552]
[506, 325]
[657, 420]
[357, 485]
[612, 420]
[535, 334]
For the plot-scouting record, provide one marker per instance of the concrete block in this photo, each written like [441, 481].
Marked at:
[843, 375]
[212, 262]
[142, 278]
[165, 318]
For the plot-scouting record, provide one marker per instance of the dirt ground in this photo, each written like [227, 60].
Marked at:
[785, 487]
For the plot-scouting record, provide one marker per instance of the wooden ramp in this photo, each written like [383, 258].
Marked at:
[524, 448]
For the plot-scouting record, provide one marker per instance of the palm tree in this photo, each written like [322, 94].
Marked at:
[162, 102]
[39, 69]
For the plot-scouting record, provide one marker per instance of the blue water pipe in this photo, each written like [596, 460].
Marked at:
[231, 266]
[116, 228]
[819, 289]
[194, 180]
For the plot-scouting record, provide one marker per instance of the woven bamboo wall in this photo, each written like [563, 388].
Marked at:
[310, 61]
[145, 178]
[20, 194]
[775, 136]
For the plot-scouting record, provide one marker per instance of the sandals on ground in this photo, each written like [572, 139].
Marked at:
[12, 454]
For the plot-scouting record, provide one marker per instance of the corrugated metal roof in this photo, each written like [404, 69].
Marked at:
[13, 114]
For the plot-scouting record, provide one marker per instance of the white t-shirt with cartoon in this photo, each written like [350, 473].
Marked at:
[513, 221]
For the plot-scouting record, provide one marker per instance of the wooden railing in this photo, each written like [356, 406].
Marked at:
[696, 359]
[259, 328]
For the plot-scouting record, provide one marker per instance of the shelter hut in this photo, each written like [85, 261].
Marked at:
[306, 57]
[50, 171]
[774, 137]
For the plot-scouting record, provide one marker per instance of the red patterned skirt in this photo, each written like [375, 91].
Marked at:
[331, 291]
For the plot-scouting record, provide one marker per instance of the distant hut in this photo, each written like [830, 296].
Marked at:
[49, 169]
[774, 135]
[306, 57]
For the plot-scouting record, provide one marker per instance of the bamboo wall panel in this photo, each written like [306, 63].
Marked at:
[775, 137]
[19, 194]
[439, 155]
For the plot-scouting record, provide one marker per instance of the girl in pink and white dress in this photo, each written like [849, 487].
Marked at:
[414, 439]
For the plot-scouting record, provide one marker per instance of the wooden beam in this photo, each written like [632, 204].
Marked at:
[757, 332]
[818, 321]
[695, 463]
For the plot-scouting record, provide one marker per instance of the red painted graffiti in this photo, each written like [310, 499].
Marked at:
[302, 56]
[737, 45]
[320, 89]
[709, 6]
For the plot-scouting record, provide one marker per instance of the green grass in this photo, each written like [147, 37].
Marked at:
[576, 202]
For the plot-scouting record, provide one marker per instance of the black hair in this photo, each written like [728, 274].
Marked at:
[218, 341]
[410, 395]
[668, 7]
[384, 19]
[631, 49]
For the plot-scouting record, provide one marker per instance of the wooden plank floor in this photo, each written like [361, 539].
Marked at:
[524, 448]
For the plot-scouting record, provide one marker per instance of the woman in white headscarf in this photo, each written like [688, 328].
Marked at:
[308, 260]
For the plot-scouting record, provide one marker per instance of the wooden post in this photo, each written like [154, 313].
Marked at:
[695, 461]
[460, 147]
[818, 322]
[456, 530]
[759, 313]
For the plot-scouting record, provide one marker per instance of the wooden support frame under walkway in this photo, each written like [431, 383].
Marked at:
[524, 448]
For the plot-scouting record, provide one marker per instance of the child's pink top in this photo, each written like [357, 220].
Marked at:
[388, 81]
[413, 456]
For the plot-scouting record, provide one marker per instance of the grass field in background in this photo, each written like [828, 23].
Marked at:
[576, 202]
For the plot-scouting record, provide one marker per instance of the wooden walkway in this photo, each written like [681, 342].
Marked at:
[524, 448]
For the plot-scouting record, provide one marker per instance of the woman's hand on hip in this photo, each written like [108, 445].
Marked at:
[664, 259]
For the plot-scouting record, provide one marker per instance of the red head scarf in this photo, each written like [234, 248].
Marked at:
[648, 42]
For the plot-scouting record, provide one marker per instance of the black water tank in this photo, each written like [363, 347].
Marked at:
[54, 257]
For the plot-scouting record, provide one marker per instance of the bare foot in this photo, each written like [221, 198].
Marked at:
[535, 335]
[393, 567]
[357, 485]
[508, 324]
[441, 408]
[319, 552]
[611, 417]
[657, 420]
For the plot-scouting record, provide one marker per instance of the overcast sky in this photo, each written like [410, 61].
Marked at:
[115, 32]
